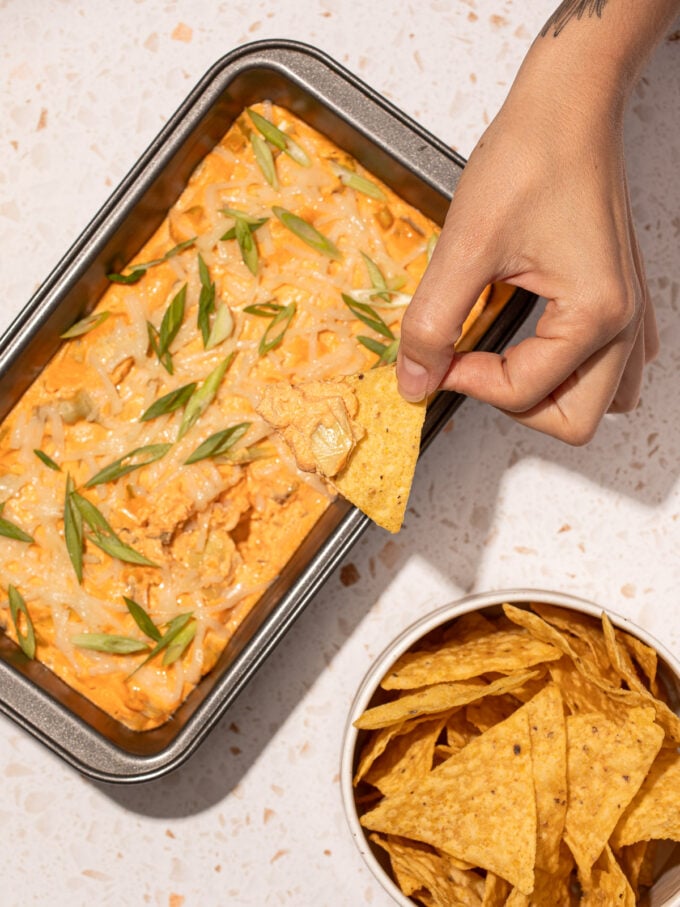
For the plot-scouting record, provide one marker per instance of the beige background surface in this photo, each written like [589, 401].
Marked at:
[255, 817]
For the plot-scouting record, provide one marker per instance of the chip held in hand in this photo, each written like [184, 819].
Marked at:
[358, 433]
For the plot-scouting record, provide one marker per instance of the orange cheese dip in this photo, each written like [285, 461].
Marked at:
[211, 535]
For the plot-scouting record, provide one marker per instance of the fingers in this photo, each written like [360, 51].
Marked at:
[432, 322]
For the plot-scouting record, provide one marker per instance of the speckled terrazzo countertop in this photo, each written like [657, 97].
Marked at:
[255, 817]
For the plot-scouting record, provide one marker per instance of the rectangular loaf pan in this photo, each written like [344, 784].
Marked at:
[419, 167]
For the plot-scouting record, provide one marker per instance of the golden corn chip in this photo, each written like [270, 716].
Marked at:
[478, 806]
[486, 712]
[496, 891]
[619, 657]
[606, 884]
[379, 474]
[580, 694]
[645, 656]
[407, 758]
[581, 626]
[635, 860]
[459, 731]
[549, 758]
[654, 811]
[501, 651]
[439, 697]
[377, 743]
[435, 872]
[606, 764]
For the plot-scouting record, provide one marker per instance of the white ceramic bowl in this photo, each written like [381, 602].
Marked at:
[666, 891]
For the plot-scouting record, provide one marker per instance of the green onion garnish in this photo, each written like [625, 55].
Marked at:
[387, 352]
[178, 646]
[355, 181]
[155, 343]
[377, 278]
[219, 443]
[368, 316]
[279, 139]
[142, 619]
[264, 309]
[135, 459]
[173, 629]
[84, 325]
[11, 531]
[264, 158]
[17, 607]
[246, 244]
[110, 643]
[307, 233]
[283, 319]
[203, 396]
[222, 327]
[168, 403]
[206, 300]
[73, 530]
[138, 271]
[103, 536]
[48, 461]
[172, 321]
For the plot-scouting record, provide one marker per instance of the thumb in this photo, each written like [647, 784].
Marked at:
[433, 320]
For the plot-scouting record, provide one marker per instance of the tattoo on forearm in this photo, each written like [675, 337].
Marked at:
[572, 9]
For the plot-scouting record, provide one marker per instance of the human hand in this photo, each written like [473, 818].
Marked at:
[542, 204]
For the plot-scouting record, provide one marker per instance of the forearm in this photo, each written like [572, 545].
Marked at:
[594, 50]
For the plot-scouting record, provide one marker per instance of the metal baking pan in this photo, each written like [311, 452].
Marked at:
[419, 167]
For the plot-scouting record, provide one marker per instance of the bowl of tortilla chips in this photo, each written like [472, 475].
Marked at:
[518, 748]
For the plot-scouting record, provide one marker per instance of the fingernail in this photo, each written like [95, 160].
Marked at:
[412, 380]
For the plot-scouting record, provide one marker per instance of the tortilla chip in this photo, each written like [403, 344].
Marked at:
[606, 764]
[606, 884]
[654, 811]
[496, 891]
[439, 697]
[497, 650]
[380, 471]
[478, 806]
[583, 627]
[549, 756]
[407, 759]
[435, 872]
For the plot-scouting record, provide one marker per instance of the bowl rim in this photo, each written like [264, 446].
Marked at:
[411, 634]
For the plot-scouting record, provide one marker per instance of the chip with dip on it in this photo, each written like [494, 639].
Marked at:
[357, 432]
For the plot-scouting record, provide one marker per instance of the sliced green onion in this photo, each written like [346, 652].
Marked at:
[282, 318]
[48, 461]
[85, 325]
[17, 606]
[206, 300]
[114, 547]
[368, 316]
[387, 352]
[142, 619]
[253, 224]
[219, 443]
[222, 328]
[377, 278]
[250, 219]
[11, 531]
[279, 139]
[135, 459]
[355, 181]
[172, 321]
[264, 158]
[179, 644]
[203, 396]
[110, 643]
[73, 529]
[168, 403]
[307, 233]
[155, 343]
[138, 271]
[264, 309]
[103, 536]
[246, 244]
[173, 629]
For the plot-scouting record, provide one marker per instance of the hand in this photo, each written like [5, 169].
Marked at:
[542, 204]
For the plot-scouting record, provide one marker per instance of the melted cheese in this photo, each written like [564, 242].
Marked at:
[218, 530]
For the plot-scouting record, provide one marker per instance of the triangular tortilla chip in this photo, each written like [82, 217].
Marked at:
[478, 806]
[380, 471]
